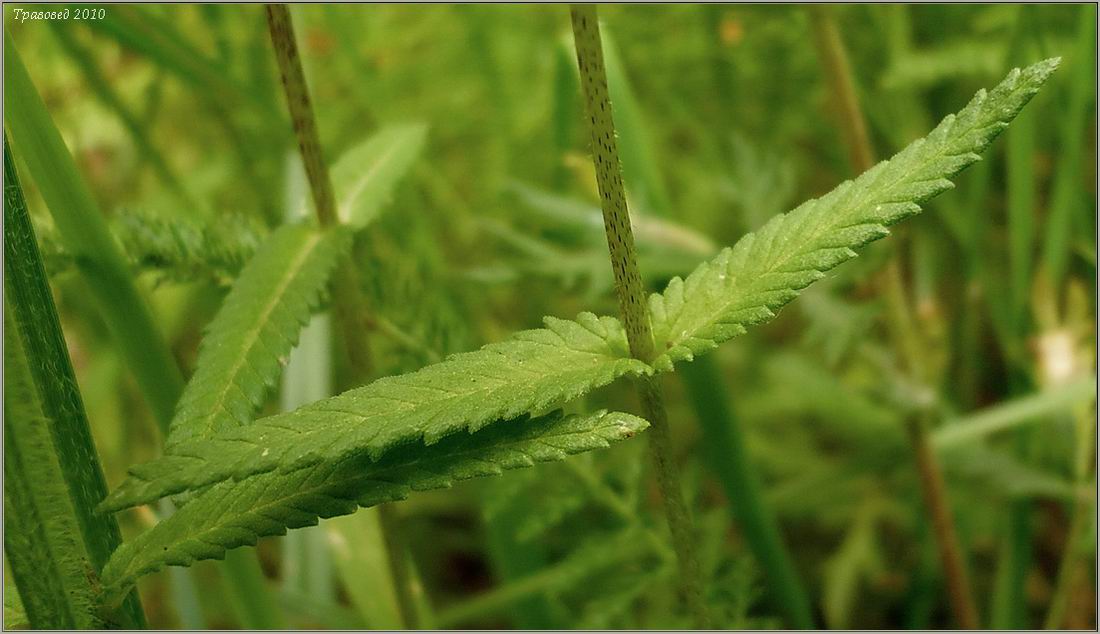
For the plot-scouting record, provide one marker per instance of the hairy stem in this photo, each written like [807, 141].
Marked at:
[631, 295]
[350, 306]
[301, 112]
[902, 329]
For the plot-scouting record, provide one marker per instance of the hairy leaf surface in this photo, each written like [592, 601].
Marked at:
[233, 514]
[258, 324]
[746, 284]
[531, 371]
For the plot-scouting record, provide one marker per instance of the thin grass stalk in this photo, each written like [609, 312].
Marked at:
[350, 304]
[906, 337]
[252, 599]
[632, 303]
[724, 441]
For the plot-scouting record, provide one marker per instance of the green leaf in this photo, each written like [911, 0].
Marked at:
[246, 344]
[86, 238]
[746, 284]
[531, 371]
[174, 248]
[234, 514]
[15, 616]
[1037, 408]
[54, 541]
[365, 176]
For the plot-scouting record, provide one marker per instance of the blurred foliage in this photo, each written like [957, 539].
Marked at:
[174, 115]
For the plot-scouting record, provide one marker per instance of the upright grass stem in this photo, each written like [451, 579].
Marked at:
[907, 338]
[631, 295]
[350, 305]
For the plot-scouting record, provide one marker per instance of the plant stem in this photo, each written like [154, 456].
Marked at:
[349, 304]
[845, 101]
[904, 332]
[631, 295]
[301, 112]
[724, 445]
[947, 542]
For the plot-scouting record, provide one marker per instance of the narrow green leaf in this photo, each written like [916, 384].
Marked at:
[87, 239]
[246, 344]
[1067, 194]
[54, 541]
[365, 176]
[529, 372]
[234, 514]
[1019, 411]
[15, 615]
[746, 284]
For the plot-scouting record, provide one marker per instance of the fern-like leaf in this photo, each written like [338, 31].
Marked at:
[175, 248]
[529, 372]
[748, 283]
[247, 342]
[233, 514]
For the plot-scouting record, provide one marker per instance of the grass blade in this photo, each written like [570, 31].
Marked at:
[54, 540]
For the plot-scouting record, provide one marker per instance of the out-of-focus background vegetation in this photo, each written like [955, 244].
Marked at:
[175, 116]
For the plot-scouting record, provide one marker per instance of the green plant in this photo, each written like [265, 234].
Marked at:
[239, 473]
[540, 369]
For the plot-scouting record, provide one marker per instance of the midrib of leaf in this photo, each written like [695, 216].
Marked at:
[186, 428]
[361, 184]
[233, 514]
[531, 371]
[900, 196]
[252, 335]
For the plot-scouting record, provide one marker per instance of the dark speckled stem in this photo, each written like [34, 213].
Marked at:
[632, 298]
